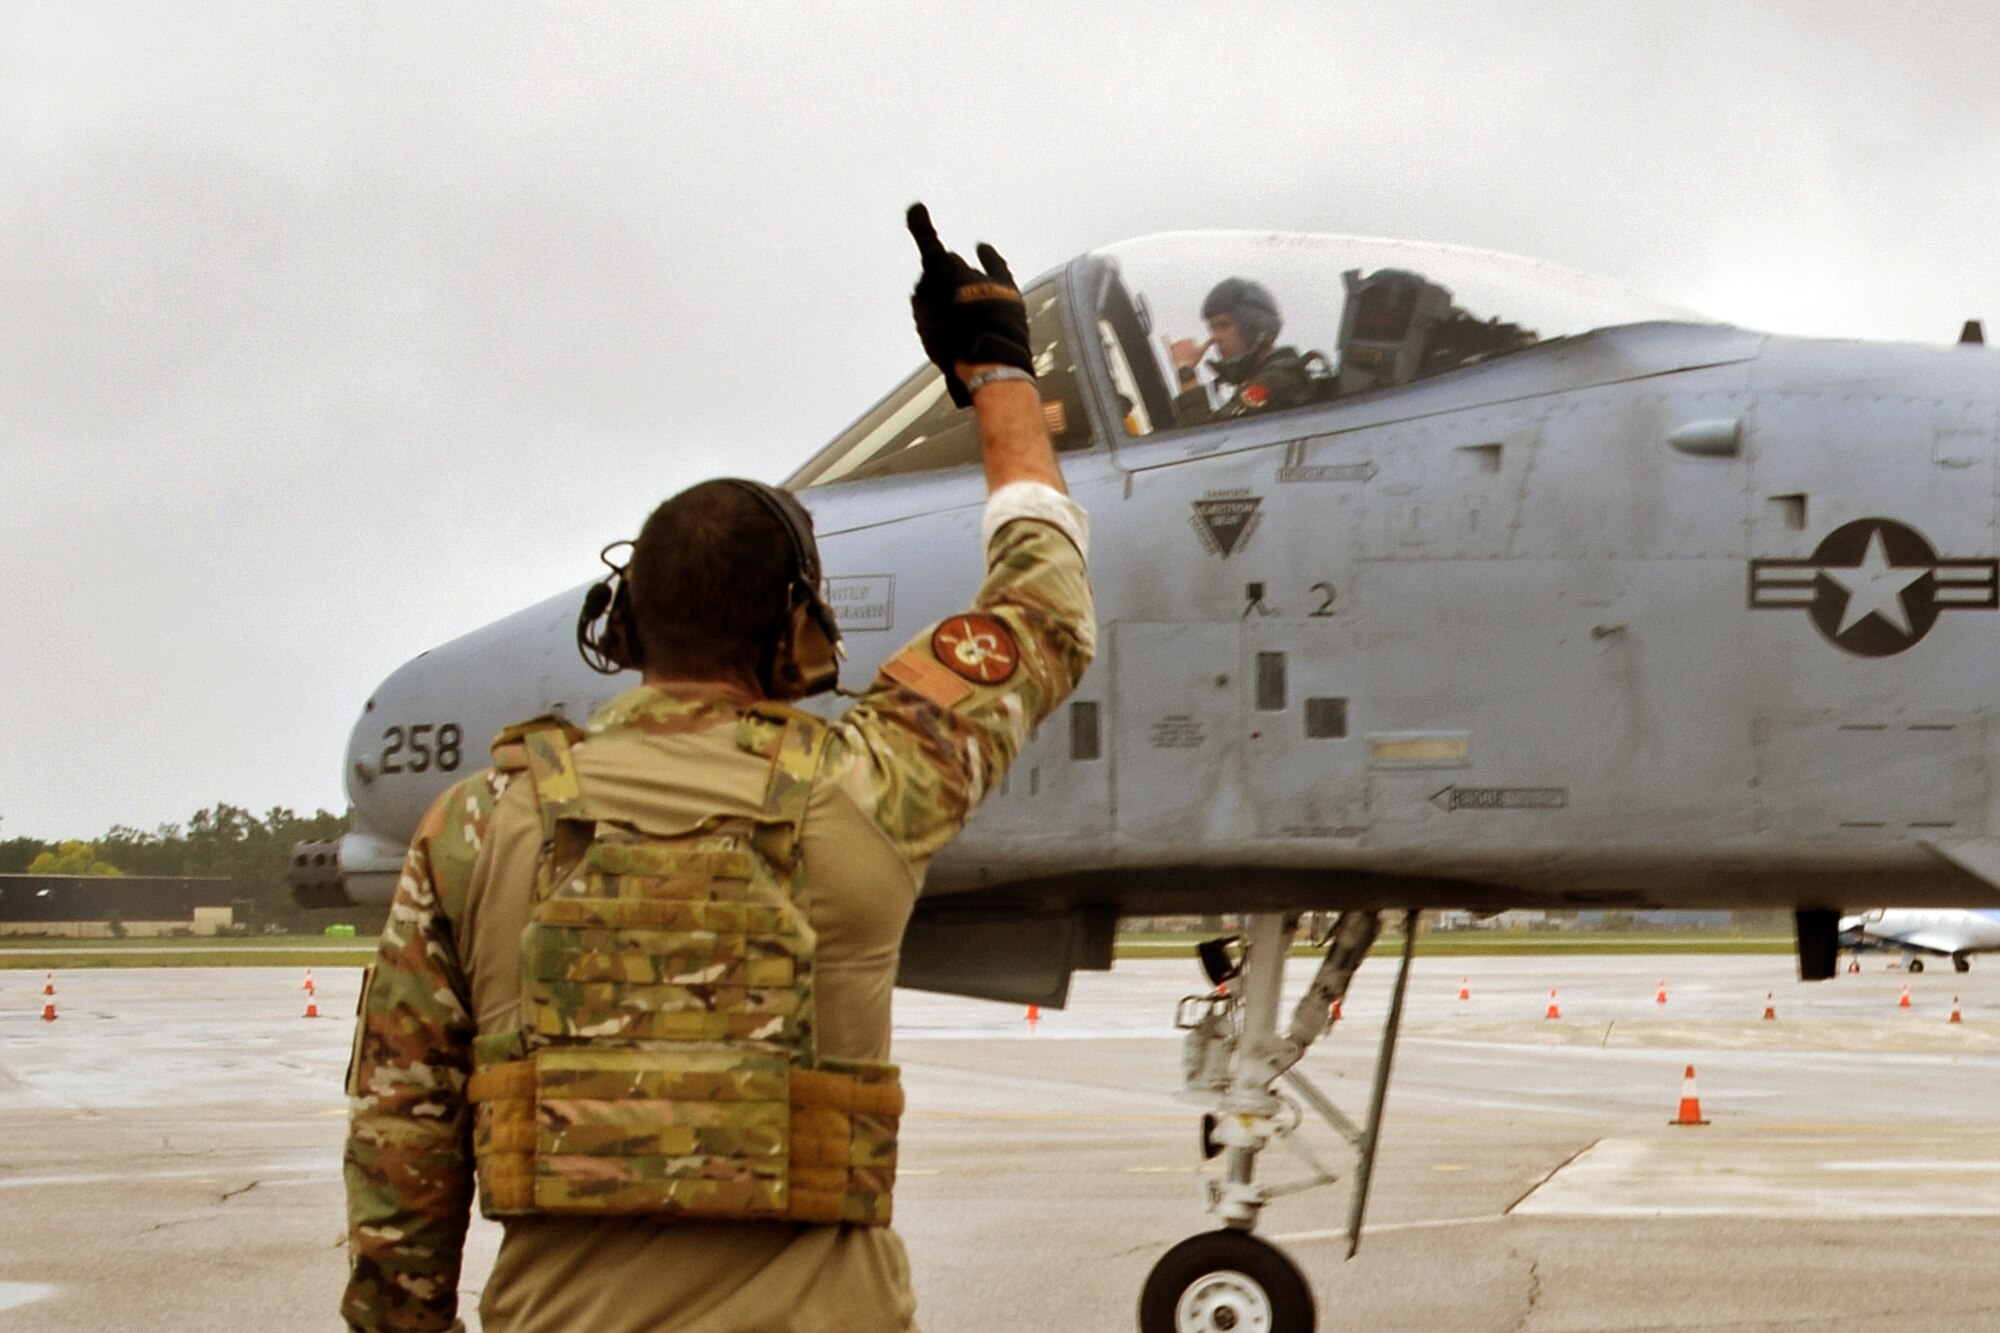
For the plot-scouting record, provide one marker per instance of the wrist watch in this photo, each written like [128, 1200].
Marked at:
[994, 376]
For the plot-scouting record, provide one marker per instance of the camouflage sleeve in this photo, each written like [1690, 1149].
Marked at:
[945, 717]
[408, 1162]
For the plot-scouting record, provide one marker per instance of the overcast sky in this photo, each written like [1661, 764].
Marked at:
[330, 332]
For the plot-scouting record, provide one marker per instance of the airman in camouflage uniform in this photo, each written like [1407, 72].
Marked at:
[896, 776]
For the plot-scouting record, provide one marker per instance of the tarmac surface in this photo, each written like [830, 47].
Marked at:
[169, 1151]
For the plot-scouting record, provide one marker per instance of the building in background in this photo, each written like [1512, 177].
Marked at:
[105, 906]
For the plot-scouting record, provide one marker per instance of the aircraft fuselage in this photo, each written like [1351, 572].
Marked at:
[1493, 639]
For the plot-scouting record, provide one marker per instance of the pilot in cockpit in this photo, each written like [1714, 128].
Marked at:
[1243, 324]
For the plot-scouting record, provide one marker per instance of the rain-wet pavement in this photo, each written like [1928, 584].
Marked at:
[169, 1151]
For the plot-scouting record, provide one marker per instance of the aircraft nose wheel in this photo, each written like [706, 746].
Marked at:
[1225, 1282]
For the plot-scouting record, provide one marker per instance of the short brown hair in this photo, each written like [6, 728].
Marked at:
[710, 578]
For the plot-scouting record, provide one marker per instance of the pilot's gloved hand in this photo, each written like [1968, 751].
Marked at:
[965, 315]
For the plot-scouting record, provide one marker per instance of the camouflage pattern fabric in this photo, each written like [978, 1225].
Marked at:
[667, 992]
[917, 765]
[408, 1147]
[921, 766]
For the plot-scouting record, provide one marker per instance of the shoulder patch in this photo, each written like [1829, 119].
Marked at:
[977, 647]
[509, 749]
[917, 672]
[1255, 395]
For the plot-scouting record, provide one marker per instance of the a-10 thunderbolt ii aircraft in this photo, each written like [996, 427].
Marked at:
[1551, 596]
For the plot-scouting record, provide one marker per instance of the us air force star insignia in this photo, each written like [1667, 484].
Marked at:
[979, 648]
[1874, 587]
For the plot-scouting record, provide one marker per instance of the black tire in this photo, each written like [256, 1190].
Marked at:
[1916, 965]
[1226, 1282]
[1960, 963]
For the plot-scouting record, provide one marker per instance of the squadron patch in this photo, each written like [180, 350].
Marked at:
[1255, 395]
[977, 647]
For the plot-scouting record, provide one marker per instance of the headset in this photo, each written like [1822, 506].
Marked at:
[804, 656]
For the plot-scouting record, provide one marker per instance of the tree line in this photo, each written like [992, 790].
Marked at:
[223, 840]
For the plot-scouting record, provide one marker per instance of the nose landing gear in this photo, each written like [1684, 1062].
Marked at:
[1233, 1058]
[1226, 1282]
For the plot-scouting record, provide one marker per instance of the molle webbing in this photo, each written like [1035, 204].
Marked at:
[730, 1140]
[665, 1065]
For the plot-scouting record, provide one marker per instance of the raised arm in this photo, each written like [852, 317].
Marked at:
[974, 326]
[1013, 434]
[945, 718]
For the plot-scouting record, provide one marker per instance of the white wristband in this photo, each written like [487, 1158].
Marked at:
[994, 376]
[1036, 500]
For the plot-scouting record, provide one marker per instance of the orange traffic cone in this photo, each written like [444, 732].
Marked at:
[1661, 998]
[1770, 1009]
[1333, 1014]
[49, 1009]
[1555, 1010]
[1034, 1016]
[1853, 967]
[1956, 1017]
[49, 984]
[1904, 1003]
[312, 1005]
[308, 986]
[1690, 1112]
[1465, 988]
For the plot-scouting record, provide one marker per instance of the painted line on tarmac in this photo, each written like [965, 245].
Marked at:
[1057, 1118]
[1376, 1228]
[293, 1173]
[14, 1295]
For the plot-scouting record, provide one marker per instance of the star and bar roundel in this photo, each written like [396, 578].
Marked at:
[1874, 587]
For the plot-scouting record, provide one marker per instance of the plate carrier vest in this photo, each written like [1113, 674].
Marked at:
[665, 1065]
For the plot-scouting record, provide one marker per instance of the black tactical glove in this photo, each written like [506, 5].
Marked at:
[964, 314]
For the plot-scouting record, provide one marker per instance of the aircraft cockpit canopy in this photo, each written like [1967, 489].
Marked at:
[1347, 316]
[1353, 314]
[919, 429]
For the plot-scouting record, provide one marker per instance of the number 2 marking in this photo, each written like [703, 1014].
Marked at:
[1325, 607]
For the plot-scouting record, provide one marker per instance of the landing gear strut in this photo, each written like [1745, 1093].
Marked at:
[1233, 1059]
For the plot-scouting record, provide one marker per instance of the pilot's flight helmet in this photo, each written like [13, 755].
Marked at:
[1250, 304]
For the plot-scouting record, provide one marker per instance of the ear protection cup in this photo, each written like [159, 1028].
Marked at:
[804, 657]
[607, 630]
